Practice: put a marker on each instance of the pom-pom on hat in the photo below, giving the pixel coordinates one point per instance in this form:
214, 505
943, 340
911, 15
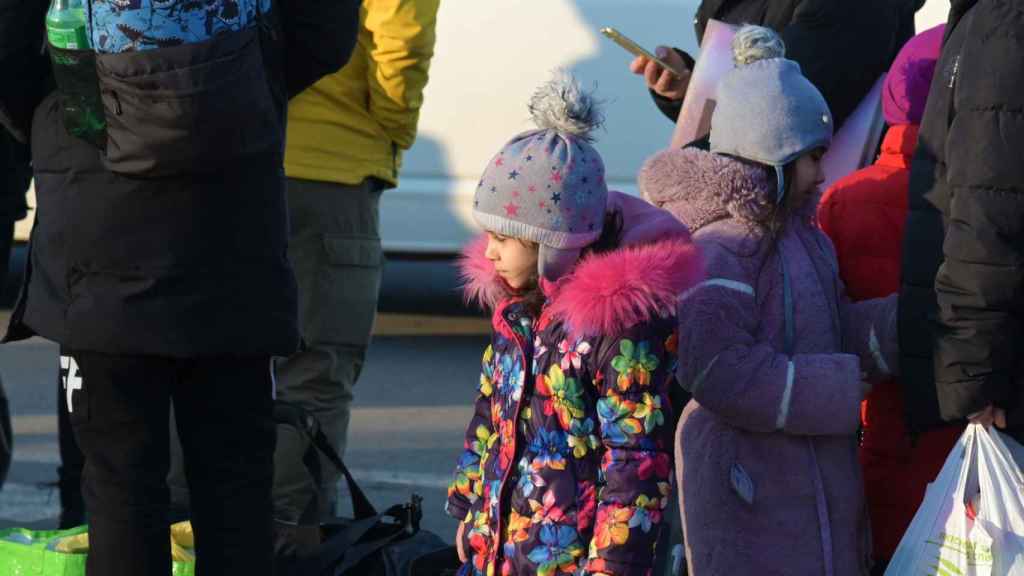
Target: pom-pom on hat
547, 185
766, 110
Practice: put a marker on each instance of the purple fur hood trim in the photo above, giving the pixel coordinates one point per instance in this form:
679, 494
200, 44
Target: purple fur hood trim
699, 187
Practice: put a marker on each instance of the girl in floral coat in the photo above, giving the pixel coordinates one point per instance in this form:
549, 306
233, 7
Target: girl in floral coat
567, 460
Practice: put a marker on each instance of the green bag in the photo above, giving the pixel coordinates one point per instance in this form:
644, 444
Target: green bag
31, 553
28, 553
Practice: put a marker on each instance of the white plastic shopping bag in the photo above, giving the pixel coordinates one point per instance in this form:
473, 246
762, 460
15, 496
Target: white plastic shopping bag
971, 522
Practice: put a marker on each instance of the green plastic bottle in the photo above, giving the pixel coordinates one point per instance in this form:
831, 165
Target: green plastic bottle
66, 25
74, 67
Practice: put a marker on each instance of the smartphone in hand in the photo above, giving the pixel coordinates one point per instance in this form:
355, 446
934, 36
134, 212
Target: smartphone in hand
636, 50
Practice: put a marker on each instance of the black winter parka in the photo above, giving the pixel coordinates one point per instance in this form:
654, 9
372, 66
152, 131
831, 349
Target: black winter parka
962, 295
171, 240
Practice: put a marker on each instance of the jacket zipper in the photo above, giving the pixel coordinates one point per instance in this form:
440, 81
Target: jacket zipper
498, 540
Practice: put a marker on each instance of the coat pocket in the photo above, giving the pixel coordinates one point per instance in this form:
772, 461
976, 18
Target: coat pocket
188, 109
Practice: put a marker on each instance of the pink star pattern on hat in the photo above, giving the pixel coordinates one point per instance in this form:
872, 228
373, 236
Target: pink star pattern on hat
512, 209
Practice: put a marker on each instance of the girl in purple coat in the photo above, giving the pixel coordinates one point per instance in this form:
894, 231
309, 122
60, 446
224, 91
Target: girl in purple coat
775, 355
567, 462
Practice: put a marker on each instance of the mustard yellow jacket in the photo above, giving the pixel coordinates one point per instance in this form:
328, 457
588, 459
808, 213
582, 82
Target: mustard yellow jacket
355, 123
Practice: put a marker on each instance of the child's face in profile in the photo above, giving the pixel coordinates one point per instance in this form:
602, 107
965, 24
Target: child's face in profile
807, 176
514, 260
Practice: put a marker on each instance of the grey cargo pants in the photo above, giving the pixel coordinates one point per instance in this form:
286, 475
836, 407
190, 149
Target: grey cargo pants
335, 249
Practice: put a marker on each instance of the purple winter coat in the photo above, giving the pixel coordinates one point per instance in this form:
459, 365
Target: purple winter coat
766, 453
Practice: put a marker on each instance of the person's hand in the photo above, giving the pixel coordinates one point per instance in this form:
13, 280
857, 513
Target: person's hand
663, 82
989, 416
458, 542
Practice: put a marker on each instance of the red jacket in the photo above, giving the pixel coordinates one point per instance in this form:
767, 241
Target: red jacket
864, 215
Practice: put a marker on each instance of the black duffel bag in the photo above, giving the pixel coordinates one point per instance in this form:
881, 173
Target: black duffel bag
370, 544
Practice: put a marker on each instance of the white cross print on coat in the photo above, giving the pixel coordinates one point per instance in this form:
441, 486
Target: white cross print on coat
71, 378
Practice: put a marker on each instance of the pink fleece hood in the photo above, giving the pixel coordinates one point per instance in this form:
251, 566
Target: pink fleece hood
609, 292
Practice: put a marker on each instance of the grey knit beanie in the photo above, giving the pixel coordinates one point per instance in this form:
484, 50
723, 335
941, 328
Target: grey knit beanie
547, 185
766, 110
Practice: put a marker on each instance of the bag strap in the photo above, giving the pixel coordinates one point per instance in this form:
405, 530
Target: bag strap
408, 518
342, 544
360, 552
302, 420
408, 515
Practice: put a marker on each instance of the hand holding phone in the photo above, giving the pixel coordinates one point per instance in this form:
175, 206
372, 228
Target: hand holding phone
635, 49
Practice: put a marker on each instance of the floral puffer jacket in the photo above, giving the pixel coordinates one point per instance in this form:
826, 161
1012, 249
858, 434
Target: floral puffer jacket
568, 459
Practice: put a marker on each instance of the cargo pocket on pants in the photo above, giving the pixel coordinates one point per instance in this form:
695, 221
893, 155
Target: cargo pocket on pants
188, 109
346, 291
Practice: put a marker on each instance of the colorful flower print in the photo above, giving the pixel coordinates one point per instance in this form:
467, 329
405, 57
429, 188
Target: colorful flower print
550, 448
573, 356
519, 527
646, 514
547, 510
479, 539
634, 364
539, 349
598, 567
467, 477
582, 438
508, 441
495, 415
512, 377
559, 548
494, 500
481, 446
618, 426
530, 481
586, 505
612, 527
653, 465
665, 489
487, 374
564, 396
485, 439
524, 420
648, 411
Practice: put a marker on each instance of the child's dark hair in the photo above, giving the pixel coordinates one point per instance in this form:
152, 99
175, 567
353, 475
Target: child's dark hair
610, 238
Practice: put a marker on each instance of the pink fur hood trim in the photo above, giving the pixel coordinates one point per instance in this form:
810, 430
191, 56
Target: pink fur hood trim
605, 293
